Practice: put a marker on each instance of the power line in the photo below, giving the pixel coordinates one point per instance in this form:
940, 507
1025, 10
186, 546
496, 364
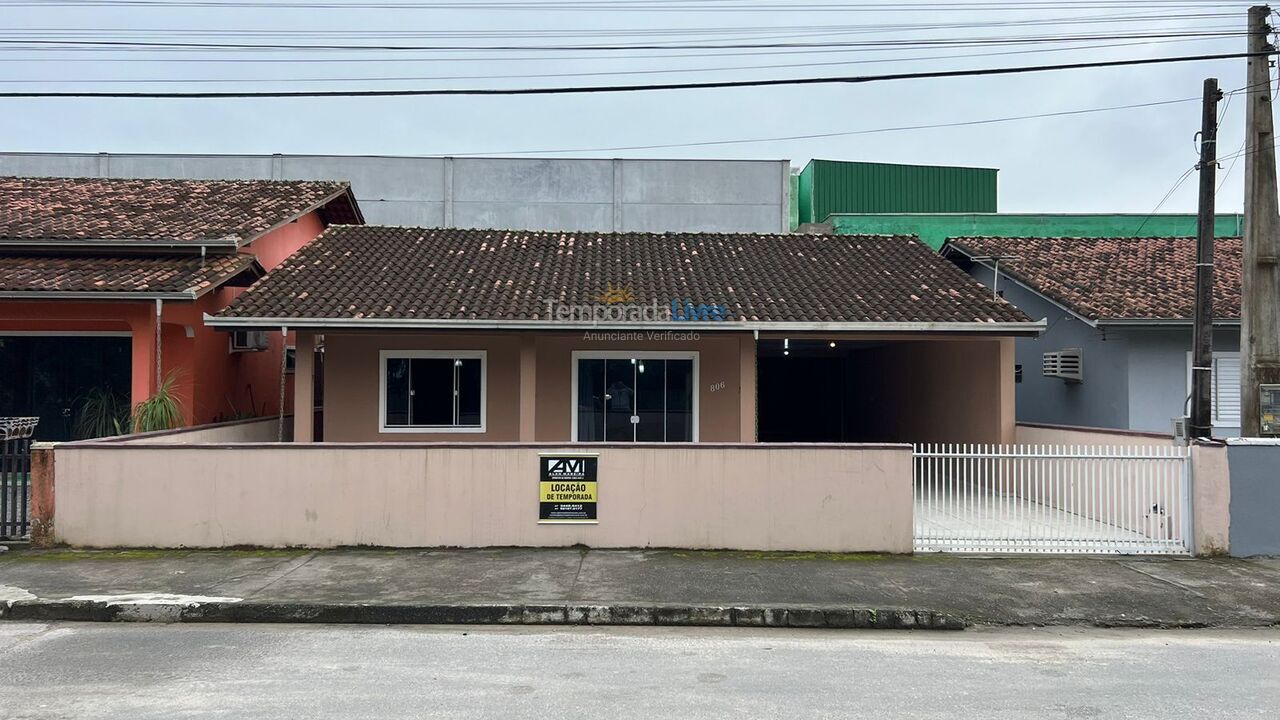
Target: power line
847, 133
115, 45
599, 73
856, 79
639, 5
843, 133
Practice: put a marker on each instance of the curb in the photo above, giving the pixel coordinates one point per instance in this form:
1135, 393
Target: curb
810, 616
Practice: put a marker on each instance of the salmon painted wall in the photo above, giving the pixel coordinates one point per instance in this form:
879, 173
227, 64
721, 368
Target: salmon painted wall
352, 379
214, 383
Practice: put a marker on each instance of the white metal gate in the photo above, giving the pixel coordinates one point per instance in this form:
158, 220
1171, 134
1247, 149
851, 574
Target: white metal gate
1052, 499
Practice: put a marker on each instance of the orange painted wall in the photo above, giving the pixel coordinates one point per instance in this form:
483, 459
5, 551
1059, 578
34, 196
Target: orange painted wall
213, 382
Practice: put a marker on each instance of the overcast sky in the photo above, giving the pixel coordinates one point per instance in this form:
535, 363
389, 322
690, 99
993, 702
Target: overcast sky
1119, 161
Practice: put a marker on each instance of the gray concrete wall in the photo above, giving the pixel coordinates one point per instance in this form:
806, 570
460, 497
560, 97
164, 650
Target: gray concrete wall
1158, 368
519, 193
1101, 400
1255, 497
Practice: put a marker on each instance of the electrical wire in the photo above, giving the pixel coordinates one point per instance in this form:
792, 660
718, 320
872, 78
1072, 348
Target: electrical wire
856, 79
599, 73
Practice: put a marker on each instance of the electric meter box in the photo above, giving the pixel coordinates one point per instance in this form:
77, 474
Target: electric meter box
1269, 402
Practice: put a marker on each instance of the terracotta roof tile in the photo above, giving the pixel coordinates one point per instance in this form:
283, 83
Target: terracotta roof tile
65, 211
35, 273
1117, 278
412, 273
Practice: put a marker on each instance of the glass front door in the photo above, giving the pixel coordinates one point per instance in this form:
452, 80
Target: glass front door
635, 399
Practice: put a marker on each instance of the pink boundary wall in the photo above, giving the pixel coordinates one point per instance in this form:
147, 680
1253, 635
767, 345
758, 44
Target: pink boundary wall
845, 498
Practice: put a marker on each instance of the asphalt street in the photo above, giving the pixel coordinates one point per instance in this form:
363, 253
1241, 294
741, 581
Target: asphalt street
95, 670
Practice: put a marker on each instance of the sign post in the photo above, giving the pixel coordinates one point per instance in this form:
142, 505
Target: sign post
567, 488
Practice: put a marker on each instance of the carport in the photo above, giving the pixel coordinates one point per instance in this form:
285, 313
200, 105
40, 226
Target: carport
867, 388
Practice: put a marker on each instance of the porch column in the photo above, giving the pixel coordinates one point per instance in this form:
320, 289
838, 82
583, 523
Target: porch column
528, 388
142, 331
747, 389
304, 362
1008, 383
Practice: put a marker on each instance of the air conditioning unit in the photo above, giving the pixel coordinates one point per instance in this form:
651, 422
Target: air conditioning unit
1066, 364
248, 340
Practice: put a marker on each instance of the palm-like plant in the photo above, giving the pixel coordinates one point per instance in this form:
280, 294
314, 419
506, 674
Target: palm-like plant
161, 411
101, 413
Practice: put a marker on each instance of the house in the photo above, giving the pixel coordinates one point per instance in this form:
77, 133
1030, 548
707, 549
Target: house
1116, 351
935, 228
658, 194
104, 284
526, 336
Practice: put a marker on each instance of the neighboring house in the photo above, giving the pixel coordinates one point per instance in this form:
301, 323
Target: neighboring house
829, 187
1120, 309
506, 336
100, 280
658, 195
935, 228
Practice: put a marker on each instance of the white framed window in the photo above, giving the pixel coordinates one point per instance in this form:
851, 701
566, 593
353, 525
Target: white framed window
432, 391
1224, 387
634, 396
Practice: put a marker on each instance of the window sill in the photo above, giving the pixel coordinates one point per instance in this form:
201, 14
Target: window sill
424, 429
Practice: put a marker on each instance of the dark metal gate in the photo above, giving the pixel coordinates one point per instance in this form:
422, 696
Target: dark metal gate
15, 476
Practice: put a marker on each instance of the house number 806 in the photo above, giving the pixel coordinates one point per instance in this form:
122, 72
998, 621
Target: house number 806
716, 387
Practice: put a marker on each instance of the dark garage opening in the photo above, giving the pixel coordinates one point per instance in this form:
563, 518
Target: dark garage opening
808, 391
72, 383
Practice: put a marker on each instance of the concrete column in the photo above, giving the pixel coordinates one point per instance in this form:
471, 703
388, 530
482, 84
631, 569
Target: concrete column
617, 195
1008, 387
303, 386
448, 192
42, 497
747, 389
142, 329
528, 388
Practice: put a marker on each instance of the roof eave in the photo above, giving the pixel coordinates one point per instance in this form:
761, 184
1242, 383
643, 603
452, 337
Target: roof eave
80, 245
1163, 322
344, 190
983, 328
111, 295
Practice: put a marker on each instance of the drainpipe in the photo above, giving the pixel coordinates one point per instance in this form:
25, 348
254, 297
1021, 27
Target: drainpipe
284, 362
159, 372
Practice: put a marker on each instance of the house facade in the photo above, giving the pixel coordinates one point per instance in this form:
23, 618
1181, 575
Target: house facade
104, 285
1119, 311
524, 336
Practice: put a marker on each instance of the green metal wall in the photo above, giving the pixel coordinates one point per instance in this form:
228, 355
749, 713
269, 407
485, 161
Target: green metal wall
935, 229
828, 187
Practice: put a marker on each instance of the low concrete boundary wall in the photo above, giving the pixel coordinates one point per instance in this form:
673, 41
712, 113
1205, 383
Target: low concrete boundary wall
1038, 434
1255, 496
836, 498
253, 430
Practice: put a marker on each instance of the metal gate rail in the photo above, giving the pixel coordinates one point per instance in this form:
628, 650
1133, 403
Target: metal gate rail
1052, 499
15, 476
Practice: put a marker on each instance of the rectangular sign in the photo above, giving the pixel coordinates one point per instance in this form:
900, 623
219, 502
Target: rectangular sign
567, 487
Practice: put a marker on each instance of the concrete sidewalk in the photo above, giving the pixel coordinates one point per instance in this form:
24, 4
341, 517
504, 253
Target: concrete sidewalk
638, 587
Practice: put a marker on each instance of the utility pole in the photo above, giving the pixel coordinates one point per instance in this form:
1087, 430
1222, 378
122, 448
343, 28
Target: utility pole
1260, 299
1202, 347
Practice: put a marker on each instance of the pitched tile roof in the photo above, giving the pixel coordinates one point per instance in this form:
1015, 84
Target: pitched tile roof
35, 273
70, 211
373, 273
1116, 278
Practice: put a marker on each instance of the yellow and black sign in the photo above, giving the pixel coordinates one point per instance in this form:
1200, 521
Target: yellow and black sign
567, 488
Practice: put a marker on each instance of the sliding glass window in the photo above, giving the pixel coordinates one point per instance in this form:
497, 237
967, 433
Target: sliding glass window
432, 391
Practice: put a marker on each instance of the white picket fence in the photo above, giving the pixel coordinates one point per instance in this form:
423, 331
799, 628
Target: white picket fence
1052, 499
